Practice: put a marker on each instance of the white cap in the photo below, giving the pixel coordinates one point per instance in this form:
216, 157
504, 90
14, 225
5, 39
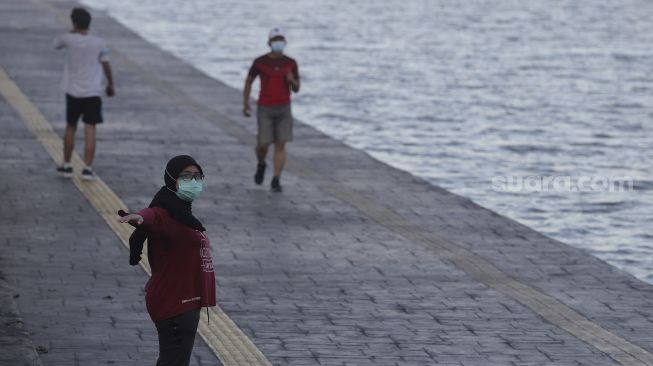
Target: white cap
276, 32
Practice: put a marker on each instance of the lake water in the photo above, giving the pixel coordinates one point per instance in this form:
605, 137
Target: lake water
481, 97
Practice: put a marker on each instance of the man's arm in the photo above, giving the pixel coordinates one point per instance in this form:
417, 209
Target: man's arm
293, 79
58, 43
106, 67
247, 91
294, 83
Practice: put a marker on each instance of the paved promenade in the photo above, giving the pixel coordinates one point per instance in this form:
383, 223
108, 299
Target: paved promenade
355, 263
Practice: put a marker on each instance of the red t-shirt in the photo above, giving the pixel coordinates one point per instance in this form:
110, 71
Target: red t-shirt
275, 89
182, 266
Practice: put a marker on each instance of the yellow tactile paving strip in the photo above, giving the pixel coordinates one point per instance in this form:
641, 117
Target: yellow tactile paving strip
222, 335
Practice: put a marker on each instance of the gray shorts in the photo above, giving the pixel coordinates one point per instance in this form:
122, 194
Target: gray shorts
274, 124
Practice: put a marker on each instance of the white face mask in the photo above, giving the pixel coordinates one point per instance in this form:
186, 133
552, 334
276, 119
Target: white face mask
189, 191
277, 46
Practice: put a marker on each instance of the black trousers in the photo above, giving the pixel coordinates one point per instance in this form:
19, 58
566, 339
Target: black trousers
176, 338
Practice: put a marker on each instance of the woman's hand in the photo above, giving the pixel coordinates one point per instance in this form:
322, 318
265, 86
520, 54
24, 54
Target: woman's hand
133, 219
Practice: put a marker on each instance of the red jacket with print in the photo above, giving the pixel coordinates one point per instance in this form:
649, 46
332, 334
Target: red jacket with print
182, 266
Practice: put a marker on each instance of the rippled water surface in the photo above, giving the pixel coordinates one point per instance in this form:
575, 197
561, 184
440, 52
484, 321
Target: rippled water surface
460, 93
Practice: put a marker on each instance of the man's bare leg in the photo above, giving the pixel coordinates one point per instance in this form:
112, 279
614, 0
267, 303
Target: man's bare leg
279, 157
89, 143
69, 142
261, 152
279, 160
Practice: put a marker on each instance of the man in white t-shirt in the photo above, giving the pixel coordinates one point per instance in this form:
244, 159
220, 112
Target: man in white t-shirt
86, 58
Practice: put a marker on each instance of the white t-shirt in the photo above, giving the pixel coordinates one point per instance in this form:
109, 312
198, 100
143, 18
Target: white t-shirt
82, 74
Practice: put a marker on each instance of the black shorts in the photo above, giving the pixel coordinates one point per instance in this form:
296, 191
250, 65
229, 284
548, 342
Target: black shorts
89, 108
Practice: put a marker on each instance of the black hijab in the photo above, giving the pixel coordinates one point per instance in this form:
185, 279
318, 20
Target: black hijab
167, 199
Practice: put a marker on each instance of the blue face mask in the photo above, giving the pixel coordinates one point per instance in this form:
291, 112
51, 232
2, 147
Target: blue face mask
189, 190
277, 46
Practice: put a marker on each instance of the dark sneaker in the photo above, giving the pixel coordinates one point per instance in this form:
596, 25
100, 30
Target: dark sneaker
87, 174
260, 173
275, 186
66, 172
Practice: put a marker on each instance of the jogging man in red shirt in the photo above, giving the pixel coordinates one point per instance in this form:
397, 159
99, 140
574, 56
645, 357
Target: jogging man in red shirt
279, 75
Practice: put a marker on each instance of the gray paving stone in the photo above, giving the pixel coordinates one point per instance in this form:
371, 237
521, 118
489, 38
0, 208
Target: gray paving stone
17, 347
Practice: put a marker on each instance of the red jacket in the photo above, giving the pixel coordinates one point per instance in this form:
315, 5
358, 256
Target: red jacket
182, 266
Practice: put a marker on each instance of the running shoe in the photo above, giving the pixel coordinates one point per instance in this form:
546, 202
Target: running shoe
65, 171
87, 174
260, 172
275, 186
